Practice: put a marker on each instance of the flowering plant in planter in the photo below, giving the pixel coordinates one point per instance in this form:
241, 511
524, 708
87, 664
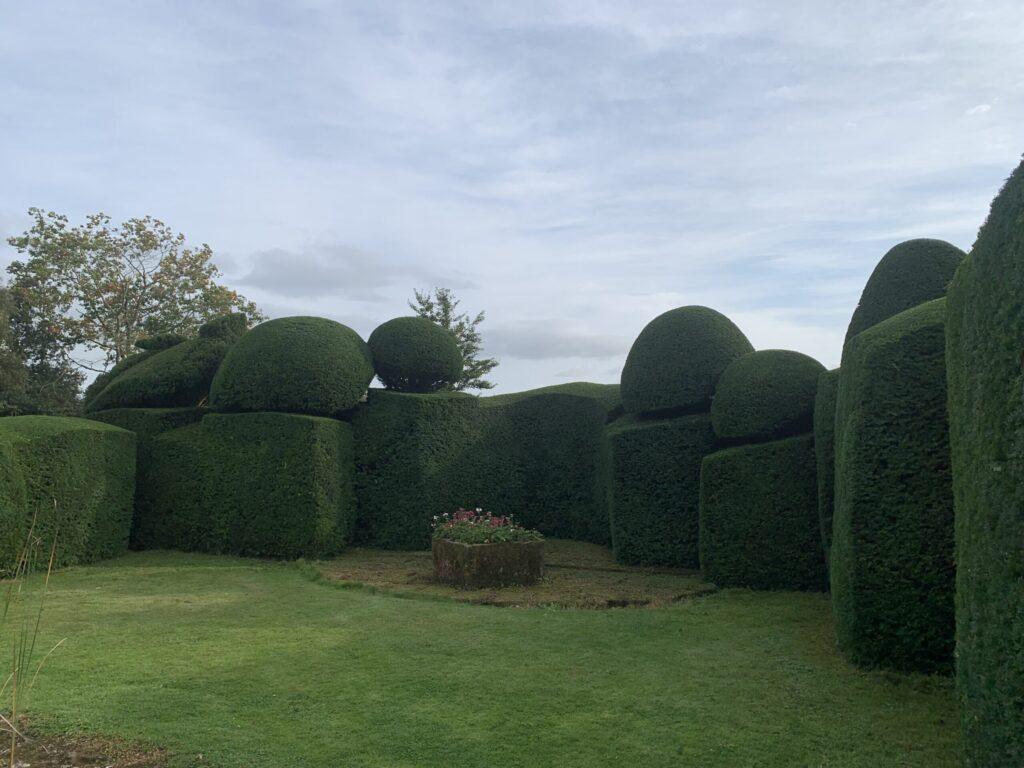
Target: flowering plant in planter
474, 526
474, 549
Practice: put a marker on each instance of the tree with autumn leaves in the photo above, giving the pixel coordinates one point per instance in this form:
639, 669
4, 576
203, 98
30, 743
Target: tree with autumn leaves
82, 295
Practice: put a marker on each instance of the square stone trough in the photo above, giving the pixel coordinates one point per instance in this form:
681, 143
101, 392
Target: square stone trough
482, 566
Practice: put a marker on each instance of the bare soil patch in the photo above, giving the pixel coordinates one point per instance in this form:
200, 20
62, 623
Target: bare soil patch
67, 751
577, 575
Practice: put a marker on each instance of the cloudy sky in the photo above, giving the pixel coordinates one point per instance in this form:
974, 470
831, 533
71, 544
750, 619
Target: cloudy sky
572, 168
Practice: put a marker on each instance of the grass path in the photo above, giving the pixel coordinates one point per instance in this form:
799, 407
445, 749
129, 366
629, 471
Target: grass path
254, 664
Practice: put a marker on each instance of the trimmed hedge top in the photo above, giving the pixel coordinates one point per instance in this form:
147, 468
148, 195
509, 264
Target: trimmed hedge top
308, 365
911, 273
413, 354
765, 395
171, 376
676, 360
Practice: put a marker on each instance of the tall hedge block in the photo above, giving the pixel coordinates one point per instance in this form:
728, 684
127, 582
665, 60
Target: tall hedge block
75, 477
654, 488
256, 484
413, 453
892, 568
985, 364
825, 452
758, 516
147, 423
536, 457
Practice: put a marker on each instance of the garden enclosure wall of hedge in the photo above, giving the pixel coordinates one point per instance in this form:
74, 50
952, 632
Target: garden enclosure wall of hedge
755, 465
73, 480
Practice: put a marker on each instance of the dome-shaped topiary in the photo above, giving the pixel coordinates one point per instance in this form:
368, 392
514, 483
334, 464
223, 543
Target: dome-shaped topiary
676, 360
766, 395
167, 374
911, 273
413, 354
306, 365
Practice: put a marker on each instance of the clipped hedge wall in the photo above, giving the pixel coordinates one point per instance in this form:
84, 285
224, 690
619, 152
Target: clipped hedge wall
255, 484
76, 477
765, 395
825, 452
413, 354
676, 360
537, 458
147, 423
985, 347
758, 516
176, 376
308, 365
892, 566
103, 380
909, 274
608, 395
654, 487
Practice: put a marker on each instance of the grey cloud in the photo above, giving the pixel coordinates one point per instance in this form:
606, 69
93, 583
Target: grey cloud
543, 341
337, 271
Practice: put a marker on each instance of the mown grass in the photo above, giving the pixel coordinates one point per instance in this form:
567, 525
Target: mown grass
254, 664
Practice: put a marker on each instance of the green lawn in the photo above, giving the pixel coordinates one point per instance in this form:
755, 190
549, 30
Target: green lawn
256, 664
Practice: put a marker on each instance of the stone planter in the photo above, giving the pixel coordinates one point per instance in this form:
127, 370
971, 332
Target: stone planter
479, 566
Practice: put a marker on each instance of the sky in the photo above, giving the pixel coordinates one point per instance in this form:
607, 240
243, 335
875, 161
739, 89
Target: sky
572, 168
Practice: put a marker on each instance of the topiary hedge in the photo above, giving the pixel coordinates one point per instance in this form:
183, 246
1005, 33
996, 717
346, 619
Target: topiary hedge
765, 395
758, 517
537, 458
676, 360
546, 453
308, 365
75, 477
825, 452
413, 354
985, 347
255, 484
608, 395
892, 563
147, 423
911, 273
654, 486
175, 376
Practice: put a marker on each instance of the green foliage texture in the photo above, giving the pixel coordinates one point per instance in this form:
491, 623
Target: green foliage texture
986, 405
256, 484
825, 452
892, 569
538, 458
909, 274
676, 360
653, 479
75, 477
308, 365
758, 516
765, 395
413, 354
178, 375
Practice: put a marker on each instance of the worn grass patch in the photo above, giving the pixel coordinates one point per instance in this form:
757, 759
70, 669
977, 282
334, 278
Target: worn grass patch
249, 664
577, 575
75, 751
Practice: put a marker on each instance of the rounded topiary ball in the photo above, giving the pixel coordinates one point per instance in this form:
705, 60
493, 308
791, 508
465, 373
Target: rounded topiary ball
306, 365
676, 360
766, 395
911, 273
413, 354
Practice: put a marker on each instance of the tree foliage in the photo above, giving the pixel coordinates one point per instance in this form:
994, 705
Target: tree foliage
441, 307
35, 377
91, 291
